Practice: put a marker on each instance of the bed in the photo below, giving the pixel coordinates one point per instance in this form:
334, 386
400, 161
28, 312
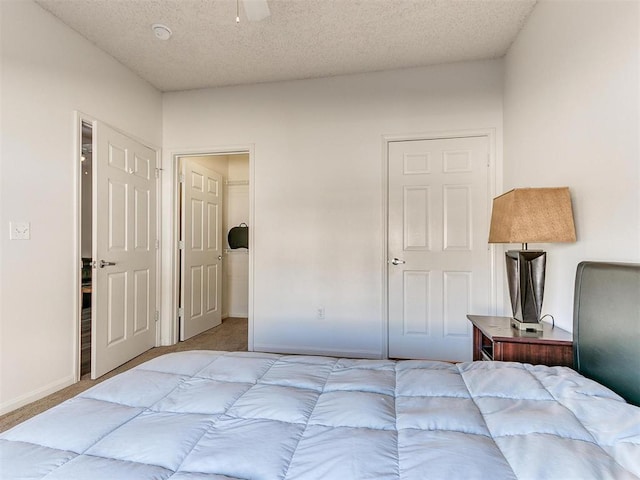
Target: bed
246, 415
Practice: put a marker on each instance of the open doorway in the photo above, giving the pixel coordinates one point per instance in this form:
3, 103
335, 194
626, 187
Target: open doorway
86, 239
213, 279
117, 247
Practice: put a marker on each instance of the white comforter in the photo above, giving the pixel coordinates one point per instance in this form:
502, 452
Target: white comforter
215, 415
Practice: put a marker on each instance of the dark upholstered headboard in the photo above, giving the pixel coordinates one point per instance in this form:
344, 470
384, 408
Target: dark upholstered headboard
606, 326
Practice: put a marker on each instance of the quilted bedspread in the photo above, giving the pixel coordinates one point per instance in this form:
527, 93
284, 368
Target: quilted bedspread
216, 415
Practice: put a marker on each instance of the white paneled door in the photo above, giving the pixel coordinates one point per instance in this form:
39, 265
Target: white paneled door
201, 248
439, 262
124, 250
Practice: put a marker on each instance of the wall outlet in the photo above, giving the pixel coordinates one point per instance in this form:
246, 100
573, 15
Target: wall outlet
320, 313
19, 231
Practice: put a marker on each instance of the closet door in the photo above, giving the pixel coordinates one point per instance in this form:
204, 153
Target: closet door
439, 263
201, 235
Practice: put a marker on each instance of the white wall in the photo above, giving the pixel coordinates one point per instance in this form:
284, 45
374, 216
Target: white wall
571, 116
318, 227
48, 71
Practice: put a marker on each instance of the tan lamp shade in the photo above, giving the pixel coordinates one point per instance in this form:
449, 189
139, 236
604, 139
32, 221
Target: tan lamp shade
533, 215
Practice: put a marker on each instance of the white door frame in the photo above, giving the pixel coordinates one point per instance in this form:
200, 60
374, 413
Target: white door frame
496, 290
170, 291
79, 118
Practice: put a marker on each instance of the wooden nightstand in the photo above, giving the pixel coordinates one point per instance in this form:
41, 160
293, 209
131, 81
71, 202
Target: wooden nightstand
495, 339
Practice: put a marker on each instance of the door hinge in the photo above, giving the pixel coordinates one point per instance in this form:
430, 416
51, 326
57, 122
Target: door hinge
181, 245
157, 244
488, 159
158, 170
181, 178
180, 312
157, 316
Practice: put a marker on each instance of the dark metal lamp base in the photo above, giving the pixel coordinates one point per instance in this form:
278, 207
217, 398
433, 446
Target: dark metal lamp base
525, 276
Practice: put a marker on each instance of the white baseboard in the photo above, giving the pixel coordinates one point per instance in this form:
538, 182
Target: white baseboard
308, 350
34, 395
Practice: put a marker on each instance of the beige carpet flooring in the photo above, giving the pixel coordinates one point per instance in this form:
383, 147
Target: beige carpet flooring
231, 335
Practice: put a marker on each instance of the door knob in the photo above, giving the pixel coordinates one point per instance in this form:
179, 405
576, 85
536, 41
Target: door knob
397, 261
103, 264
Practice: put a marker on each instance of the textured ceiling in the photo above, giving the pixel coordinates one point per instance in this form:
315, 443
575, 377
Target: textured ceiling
301, 38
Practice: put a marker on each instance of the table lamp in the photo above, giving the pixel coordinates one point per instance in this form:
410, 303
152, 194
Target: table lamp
530, 215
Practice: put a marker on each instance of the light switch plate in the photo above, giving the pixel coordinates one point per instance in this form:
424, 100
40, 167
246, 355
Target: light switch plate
19, 231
